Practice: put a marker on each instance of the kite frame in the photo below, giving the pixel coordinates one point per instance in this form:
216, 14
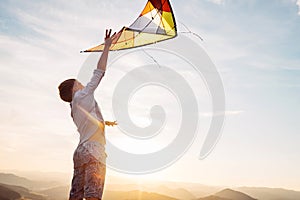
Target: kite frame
124, 27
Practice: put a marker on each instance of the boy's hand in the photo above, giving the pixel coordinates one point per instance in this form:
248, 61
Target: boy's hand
108, 123
108, 38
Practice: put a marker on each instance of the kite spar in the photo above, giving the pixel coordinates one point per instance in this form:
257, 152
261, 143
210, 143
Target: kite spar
155, 23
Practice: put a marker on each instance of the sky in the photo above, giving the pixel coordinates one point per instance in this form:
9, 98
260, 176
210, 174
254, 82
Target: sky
254, 45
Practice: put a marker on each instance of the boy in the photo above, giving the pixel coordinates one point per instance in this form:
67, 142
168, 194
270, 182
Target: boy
89, 157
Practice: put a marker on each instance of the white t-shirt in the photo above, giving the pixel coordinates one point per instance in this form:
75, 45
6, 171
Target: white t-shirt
85, 110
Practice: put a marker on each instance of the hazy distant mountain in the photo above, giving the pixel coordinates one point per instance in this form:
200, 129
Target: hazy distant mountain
233, 195
57, 193
179, 190
8, 194
132, 187
24, 192
228, 194
213, 197
126, 184
135, 195
270, 193
178, 193
12, 179
60, 177
61, 193
197, 189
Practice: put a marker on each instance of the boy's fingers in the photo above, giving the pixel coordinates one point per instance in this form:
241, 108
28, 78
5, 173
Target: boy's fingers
108, 123
113, 36
109, 33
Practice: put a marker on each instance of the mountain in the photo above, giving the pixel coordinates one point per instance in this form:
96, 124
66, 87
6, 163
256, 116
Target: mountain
228, 194
197, 189
179, 190
8, 194
41, 188
60, 177
61, 193
179, 193
12, 179
233, 195
57, 193
24, 192
213, 197
134, 195
270, 193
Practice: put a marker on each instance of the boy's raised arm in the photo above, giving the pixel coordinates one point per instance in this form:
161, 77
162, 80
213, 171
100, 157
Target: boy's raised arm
108, 41
95, 80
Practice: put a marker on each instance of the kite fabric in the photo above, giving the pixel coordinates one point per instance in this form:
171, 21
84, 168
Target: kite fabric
155, 23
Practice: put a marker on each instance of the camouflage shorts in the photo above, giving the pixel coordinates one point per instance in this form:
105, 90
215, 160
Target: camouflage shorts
89, 176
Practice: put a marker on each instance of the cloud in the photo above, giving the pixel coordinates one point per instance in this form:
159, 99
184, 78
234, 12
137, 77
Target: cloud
298, 4
226, 113
219, 2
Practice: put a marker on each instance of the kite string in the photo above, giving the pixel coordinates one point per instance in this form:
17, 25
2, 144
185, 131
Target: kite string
151, 57
189, 31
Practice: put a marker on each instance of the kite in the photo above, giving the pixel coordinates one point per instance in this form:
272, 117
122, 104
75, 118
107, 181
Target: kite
155, 23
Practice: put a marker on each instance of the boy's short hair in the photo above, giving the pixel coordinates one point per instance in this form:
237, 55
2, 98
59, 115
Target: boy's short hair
66, 90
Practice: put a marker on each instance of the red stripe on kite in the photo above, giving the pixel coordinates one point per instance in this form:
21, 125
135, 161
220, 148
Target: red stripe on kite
161, 5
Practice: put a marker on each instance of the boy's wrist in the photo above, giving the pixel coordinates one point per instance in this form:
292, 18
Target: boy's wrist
106, 46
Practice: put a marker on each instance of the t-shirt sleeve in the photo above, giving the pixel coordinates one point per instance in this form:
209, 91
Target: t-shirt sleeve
94, 82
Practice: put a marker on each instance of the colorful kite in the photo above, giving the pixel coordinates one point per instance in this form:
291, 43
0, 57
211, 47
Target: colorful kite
156, 23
